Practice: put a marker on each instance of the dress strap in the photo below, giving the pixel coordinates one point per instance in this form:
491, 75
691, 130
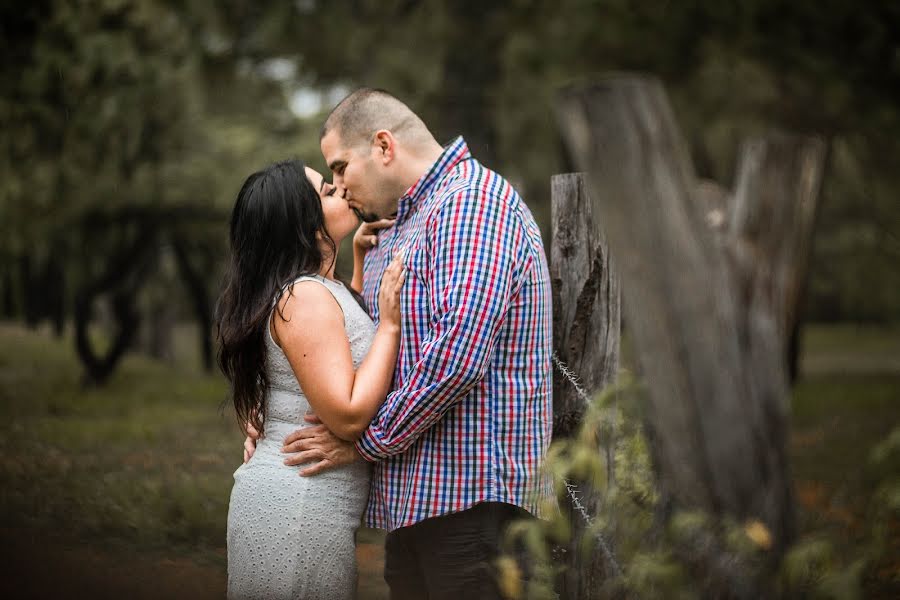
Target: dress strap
318, 279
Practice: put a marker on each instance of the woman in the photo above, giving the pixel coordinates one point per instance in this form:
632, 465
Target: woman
294, 340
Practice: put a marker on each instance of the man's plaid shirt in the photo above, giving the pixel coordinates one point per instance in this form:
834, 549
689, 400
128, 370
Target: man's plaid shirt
470, 416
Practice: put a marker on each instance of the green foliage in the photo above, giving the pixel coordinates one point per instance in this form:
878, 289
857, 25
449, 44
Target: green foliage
665, 558
127, 125
885, 456
100, 112
857, 247
658, 574
806, 563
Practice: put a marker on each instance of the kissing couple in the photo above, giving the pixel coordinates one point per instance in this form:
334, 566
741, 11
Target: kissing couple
416, 398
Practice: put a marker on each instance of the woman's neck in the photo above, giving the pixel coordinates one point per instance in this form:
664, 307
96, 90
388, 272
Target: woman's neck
328, 264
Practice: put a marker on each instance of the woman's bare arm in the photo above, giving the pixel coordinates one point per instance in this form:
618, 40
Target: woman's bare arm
311, 333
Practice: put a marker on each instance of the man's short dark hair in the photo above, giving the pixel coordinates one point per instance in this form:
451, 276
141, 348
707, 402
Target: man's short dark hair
365, 111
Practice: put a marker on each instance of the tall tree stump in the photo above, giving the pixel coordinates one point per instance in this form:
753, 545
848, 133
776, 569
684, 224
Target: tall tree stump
706, 322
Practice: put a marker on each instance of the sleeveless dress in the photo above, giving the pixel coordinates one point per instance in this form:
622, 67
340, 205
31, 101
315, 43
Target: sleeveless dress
291, 536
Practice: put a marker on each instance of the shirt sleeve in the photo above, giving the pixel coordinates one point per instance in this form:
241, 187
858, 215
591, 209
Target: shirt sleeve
470, 243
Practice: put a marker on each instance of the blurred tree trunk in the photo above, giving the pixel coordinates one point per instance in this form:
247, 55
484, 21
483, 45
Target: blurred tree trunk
708, 333
55, 289
200, 299
9, 294
121, 280
586, 331
771, 222
159, 323
795, 346
99, 368
795, 341
30, 291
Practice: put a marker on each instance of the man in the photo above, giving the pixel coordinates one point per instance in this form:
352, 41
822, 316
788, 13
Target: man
459, 442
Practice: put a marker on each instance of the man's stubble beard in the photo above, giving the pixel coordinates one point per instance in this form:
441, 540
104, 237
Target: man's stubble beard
366, 216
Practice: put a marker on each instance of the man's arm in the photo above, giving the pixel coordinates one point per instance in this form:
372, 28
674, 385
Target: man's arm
471, 243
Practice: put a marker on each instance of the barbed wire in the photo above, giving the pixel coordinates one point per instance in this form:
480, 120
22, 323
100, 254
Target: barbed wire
571, 488
572, 377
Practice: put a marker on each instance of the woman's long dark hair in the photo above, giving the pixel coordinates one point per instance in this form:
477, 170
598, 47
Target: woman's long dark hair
273, 230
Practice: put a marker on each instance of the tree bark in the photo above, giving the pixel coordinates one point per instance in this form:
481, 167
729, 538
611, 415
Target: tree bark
586, 322
586, 330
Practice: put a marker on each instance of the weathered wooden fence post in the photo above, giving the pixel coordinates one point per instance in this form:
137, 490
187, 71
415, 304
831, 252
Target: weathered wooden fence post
705, 322
770, 225
586, 329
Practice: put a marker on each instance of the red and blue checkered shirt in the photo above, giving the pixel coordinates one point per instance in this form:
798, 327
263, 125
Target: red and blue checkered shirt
469, 418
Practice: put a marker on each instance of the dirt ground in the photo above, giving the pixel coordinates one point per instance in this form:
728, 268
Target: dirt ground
46, 566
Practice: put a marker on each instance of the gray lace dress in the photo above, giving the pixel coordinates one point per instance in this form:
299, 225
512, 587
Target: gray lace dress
291, 536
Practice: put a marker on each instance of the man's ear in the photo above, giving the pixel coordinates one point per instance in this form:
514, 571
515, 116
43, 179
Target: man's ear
385, 146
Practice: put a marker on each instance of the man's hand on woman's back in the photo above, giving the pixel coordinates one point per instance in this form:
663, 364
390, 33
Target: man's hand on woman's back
317, 444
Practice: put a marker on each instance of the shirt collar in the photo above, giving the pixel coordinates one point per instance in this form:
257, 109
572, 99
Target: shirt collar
454, 153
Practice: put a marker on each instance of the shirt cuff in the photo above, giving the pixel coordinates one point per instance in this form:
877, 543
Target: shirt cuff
370, 448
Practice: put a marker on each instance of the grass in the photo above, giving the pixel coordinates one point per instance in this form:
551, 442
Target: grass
840, 413
145, 459
143, 466
851, 349
846, 404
